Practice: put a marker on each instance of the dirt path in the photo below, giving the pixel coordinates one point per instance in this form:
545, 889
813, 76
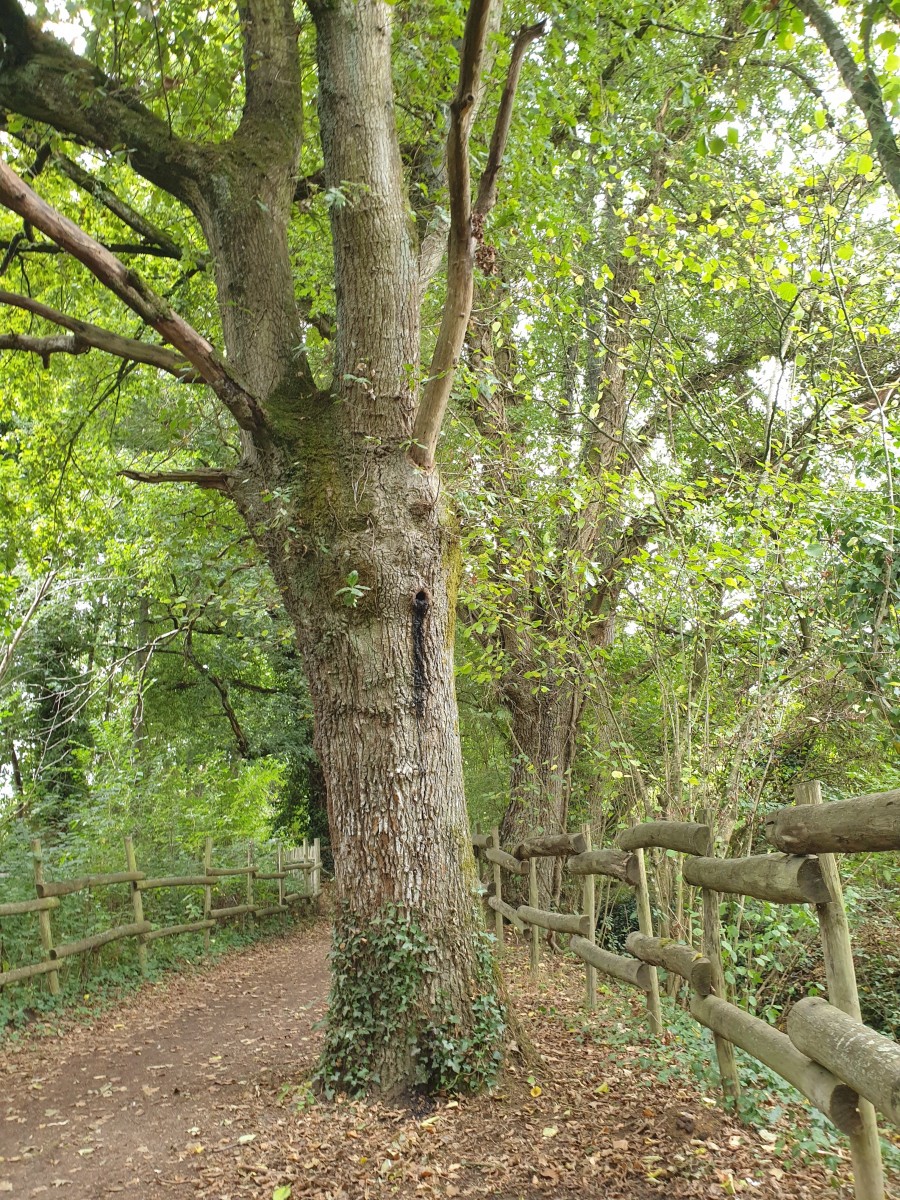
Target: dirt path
195, 1089
119, 1106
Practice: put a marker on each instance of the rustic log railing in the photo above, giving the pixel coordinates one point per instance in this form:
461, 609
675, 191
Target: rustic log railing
306, 858
844, 1069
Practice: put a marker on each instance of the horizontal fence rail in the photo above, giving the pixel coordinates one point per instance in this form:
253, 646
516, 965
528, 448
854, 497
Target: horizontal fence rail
844, 1068
300, 862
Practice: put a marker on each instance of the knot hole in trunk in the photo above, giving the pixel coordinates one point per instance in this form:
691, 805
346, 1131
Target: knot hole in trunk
420, 606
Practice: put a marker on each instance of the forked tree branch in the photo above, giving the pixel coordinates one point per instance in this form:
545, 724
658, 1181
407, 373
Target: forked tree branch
462, 242
89, 337
487, 187
131, 289
461, 247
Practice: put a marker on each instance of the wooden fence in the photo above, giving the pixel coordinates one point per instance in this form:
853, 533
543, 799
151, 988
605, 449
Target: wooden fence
293, 867
843, 1067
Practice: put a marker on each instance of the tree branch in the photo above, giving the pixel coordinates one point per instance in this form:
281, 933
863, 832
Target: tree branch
108, 198
20, 244
227, 707
805, 78
213, 479
863, 87
18, 196
487, 188
43, 347
89, 336
273, 101
8, 652
462, 243
44, 79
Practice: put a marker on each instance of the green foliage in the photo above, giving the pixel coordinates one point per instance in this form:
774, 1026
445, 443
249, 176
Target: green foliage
456, 1059
377, 971
771, 955
380, 971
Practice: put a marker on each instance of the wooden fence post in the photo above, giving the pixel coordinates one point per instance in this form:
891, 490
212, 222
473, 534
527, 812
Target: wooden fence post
589, 907
533, 901
137, 903
498, 888
712, 948
249, 889
43, 914
317, 870
207, 891
645, 925
840, 974
279, 867
477, 853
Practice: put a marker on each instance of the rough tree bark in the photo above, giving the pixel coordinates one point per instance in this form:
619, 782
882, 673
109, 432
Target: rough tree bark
362, 548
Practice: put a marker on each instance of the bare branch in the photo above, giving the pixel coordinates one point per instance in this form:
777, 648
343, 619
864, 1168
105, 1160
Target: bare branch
89, 336
20, 244
213, 479
118, 207
462, 244
487, 188
18, 196
8, 652
43, 347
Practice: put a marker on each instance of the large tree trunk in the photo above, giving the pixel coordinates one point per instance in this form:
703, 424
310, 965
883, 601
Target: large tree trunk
367, 563
379, 657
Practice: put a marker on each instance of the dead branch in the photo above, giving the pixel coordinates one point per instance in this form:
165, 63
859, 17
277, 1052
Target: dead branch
88, 337
462, 241
212, 478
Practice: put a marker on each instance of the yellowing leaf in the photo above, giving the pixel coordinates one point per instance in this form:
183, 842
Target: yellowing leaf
536, 1090
549, 1131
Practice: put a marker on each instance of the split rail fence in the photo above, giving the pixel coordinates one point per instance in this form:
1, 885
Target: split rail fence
844, 1068
293, 866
